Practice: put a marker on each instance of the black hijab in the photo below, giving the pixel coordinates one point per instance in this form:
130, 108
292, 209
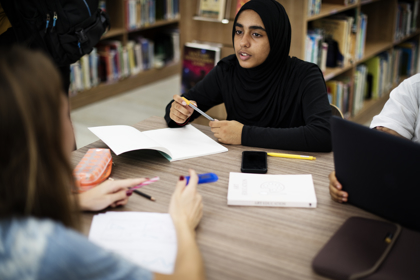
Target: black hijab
257, 92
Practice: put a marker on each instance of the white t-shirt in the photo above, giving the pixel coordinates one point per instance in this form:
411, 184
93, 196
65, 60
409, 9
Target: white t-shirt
401, 111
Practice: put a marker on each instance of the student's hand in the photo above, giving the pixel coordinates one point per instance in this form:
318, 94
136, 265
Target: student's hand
335, 189
180, 111
227, 132
388, 130
109, 193
186, 205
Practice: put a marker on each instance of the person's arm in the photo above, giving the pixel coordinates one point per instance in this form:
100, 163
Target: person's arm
205, 95
400, 112
314, 136
186, 210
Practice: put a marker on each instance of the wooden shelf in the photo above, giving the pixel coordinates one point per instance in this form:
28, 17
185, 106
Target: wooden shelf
114, 32
363, 2
333, 72
331, 9
417, 32
106, 90
156, 24
370, 108
374, 48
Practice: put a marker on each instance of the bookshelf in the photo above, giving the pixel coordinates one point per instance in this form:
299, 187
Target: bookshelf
380, 34
116, 9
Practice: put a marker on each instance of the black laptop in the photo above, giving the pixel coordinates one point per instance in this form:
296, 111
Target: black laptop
380, 172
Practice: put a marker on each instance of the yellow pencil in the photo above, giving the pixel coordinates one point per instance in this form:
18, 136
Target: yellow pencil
291, 156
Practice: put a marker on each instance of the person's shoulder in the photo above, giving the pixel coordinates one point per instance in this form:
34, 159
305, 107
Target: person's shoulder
226, 64
21, 240
304, 66
413, 81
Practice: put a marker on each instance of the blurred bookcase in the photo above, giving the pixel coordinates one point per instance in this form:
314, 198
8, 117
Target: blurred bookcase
118, 12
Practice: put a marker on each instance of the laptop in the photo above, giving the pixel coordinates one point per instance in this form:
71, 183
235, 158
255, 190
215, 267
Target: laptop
380, 172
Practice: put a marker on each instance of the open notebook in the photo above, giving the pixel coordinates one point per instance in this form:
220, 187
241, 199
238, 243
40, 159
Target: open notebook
173, 143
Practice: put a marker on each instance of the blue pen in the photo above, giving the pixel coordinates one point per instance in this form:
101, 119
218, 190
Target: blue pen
204, 178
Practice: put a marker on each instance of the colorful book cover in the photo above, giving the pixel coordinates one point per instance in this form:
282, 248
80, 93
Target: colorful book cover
199, 59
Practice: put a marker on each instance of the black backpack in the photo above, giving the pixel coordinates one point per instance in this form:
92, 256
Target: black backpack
65, 29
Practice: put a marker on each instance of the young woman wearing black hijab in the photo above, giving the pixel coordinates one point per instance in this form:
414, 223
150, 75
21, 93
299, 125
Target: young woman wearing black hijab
271, 99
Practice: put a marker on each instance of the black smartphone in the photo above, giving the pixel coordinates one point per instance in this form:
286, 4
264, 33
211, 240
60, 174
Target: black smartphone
254, 162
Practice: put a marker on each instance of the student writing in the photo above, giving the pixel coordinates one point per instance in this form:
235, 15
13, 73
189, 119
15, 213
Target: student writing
272, 100
38, 213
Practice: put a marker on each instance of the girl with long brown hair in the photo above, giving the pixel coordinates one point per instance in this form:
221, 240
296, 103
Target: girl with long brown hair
38, 212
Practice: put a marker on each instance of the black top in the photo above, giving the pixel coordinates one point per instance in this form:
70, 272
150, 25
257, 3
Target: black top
304, 125
282, 102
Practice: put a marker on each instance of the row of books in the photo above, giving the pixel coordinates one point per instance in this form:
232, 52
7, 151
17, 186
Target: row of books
110, 61
406, 18
141, 13
314, 6
379, 74
339, 94
331, 42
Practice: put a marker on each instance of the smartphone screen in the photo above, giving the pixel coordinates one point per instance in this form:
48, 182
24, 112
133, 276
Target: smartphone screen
254, 162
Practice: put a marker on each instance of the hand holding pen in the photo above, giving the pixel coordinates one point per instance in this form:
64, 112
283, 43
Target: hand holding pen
180, 112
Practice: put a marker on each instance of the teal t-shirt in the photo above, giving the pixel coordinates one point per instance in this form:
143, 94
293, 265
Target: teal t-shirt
33, 248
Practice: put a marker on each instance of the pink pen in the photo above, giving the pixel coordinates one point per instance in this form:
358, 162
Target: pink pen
148, 182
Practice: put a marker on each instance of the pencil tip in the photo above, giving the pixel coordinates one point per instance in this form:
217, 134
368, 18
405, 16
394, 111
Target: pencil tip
153, 199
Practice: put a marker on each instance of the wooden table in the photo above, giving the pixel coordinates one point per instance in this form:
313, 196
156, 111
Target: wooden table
239, 242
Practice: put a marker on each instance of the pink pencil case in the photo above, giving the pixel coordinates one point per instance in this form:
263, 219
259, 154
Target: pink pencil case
94, 168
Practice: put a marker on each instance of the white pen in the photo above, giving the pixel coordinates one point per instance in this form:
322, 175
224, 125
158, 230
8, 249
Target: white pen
198, 110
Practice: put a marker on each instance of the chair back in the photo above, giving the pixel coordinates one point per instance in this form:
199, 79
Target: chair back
336, 111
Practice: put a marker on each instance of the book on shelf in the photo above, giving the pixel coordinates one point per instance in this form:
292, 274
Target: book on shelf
360, 78
214, 9
406, 23
339, 29
239, 4
361, 37
409, 58
140, 13
316, 48
314, 7
339, 94
199, 59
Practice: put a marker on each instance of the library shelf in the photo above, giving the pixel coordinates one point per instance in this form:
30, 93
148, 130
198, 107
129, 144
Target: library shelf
333, 72
158, 23
374, 48
113, 32
413, 34
363, 2
105, 90
331, 9
370, 108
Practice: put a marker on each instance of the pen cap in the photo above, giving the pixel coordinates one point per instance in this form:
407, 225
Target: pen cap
204, 178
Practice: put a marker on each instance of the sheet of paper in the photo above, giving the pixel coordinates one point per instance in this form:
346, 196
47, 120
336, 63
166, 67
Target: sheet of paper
147, 239
124, 138
185, 142
271, 190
